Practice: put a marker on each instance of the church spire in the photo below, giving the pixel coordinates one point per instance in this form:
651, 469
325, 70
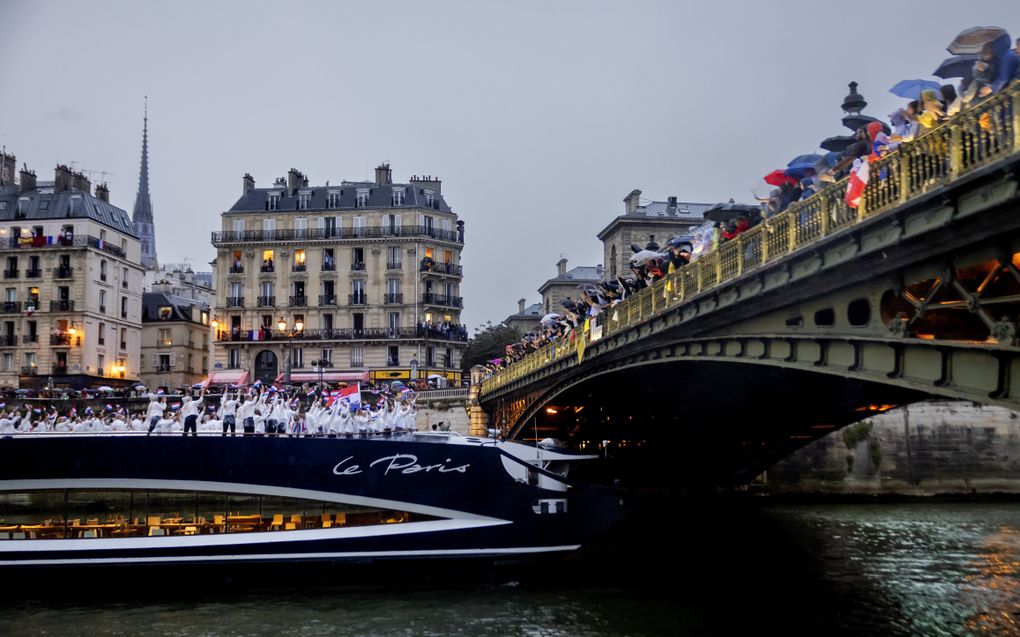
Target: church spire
141, 217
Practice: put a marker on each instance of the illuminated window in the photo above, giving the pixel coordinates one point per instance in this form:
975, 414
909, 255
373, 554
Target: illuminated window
428, 253
299, 257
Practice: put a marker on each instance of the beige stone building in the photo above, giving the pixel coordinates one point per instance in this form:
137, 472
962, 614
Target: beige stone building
175, 340
363, 275
70, 314
567, 285
526, 318
653, 223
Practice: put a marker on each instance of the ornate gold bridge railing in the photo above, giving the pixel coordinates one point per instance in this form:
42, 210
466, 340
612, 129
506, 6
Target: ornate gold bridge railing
983, 134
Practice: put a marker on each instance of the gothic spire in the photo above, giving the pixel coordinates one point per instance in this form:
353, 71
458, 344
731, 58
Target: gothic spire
141, 217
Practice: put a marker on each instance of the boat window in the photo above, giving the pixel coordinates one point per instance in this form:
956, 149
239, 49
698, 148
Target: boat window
93, 513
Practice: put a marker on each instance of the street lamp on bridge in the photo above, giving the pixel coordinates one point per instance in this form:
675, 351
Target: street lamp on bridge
289, 332
320, 365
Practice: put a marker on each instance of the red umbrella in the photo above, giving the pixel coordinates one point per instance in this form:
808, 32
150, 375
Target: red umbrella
778, 178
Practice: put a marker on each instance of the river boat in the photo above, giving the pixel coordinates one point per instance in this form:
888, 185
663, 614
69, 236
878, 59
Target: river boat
70, 500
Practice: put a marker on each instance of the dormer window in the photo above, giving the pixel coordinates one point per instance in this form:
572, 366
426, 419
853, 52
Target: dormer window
430, 198
361, 199
273, 201
333, 199
166, 313
303, 199
398, 197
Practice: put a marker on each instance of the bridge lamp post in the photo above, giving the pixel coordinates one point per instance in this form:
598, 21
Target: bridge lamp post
289, 332
320, 365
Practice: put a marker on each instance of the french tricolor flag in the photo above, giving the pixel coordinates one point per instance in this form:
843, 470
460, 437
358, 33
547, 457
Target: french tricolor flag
858, 181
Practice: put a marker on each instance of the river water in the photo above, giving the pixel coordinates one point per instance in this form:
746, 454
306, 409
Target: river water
718, 568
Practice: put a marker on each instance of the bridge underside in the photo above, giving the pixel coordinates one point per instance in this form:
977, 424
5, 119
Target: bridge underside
691, 423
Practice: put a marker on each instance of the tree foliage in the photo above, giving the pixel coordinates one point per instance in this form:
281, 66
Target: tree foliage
489, 342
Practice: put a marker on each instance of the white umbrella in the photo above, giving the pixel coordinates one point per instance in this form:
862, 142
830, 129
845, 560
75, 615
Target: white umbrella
644, 256
550, 318
105, 388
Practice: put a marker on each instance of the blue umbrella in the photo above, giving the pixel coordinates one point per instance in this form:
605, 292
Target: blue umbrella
831, 159
799, 165
956, 66
911, 89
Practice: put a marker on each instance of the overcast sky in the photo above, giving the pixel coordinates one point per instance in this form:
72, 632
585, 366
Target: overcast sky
539, 117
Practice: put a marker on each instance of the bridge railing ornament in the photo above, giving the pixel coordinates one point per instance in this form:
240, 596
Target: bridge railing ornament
984, 133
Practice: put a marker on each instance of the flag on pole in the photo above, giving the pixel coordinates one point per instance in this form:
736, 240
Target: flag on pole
859, 174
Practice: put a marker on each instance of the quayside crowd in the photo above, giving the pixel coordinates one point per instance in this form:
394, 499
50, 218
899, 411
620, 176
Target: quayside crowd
993, 69
256, 411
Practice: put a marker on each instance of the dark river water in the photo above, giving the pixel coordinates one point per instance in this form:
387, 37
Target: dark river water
721, 568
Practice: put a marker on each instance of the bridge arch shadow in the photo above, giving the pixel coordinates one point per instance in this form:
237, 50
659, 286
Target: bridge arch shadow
700, 422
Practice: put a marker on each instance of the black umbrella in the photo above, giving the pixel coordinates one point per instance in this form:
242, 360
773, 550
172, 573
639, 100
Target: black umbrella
837, 143
725, 212
956, 66
853, 122
971, 40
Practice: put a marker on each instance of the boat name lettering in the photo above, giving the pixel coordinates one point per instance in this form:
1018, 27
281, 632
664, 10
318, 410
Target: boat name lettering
403, 463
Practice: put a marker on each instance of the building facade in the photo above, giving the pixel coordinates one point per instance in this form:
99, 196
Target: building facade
71, 309
527, 317
641, 225
175, 340
362, 275
567, 285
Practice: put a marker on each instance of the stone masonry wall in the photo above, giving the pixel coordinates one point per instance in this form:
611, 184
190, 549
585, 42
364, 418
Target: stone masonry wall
929, 448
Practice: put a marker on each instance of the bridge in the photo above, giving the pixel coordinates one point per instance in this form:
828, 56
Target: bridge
816, 318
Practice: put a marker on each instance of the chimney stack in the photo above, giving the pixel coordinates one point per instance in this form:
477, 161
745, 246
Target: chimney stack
63, 179
631, 201
520, 306
295, 180
671, 206
383, 175
249, 184
7, 169
561, 267
80, 182
27, 178
102, 192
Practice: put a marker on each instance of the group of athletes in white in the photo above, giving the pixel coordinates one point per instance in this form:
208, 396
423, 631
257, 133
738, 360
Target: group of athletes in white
262, 412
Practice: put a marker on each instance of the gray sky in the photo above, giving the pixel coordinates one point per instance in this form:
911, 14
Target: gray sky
539, 117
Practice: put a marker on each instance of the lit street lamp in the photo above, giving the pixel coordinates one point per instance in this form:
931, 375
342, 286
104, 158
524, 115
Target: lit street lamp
289, 332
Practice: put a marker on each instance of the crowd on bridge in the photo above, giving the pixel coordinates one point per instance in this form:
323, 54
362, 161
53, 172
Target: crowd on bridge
987, 62
258, 410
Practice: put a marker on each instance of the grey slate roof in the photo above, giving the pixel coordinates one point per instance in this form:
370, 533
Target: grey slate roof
43, 204
257, 199
180, 306
684, 209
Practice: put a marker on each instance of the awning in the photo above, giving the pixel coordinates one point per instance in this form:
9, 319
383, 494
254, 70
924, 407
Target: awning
226, 377
327, 377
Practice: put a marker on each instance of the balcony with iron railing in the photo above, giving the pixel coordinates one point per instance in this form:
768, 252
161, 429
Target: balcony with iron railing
299, 300
265, 301
442, 268
62, 242
8, 340
267, 267
357, 299
299, 267
63, 273
33, 273
62, 305
345, 334
394, 265
11, 274
393, 299
29, 338
60, 338
358, 266
965, 144
442, 300
29, 370
10, 307
329, 267
235, 301
334, 234
236, 269
327, 300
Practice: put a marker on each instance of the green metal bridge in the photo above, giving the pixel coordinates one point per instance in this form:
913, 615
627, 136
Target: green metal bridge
816, 318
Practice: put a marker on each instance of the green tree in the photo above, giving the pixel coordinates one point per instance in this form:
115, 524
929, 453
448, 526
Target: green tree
489, 342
